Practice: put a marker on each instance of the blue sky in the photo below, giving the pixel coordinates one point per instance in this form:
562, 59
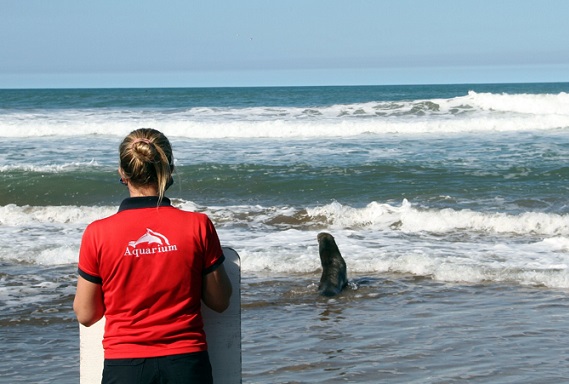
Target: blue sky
175, 43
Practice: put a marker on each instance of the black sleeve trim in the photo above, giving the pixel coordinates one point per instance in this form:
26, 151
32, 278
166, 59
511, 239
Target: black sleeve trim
215, 265
91, 278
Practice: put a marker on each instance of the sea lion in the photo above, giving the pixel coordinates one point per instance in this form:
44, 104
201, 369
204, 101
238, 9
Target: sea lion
334, 276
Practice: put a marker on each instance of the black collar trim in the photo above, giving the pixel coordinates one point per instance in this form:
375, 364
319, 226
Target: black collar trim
143, 202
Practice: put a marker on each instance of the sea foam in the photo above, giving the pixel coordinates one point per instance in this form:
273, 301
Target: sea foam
410, 219
475, 112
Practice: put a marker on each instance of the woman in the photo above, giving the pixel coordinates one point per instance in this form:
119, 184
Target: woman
146, 269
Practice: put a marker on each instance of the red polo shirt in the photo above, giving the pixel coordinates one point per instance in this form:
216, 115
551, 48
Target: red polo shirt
150, 261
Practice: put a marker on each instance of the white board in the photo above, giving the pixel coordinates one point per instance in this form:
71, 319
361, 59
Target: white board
223, 331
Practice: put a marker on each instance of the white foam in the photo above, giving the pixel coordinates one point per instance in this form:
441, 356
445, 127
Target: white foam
50, 168
542, 104
558, 243
65, 254
413, 220
475, 112
448, 245
14, 215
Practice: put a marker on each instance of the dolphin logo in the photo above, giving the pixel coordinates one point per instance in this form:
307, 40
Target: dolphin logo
150, 237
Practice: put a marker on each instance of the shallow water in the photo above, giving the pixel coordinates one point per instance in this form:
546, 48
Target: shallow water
385, 328
400, 329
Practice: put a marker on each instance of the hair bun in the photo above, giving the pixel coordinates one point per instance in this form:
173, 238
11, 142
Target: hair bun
140, 140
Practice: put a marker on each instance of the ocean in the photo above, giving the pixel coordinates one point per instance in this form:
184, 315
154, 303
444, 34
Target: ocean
448, 202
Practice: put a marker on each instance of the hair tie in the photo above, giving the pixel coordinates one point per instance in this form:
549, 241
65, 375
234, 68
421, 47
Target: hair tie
140, 140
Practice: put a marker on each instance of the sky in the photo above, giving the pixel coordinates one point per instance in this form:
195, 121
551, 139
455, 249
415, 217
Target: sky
228, 43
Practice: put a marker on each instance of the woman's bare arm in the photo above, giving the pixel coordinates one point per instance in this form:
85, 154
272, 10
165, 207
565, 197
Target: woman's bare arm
88, 304
216, 290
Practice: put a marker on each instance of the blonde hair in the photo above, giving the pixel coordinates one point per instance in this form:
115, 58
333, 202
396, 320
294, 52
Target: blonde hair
146, 159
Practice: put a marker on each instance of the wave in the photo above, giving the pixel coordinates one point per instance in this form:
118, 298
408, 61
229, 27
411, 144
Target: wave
16, 216
475, 112
444, 244
405, 218
409, 219
51, 168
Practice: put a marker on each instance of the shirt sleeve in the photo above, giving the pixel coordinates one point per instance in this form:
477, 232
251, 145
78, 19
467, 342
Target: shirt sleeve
213, 253
88, 266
